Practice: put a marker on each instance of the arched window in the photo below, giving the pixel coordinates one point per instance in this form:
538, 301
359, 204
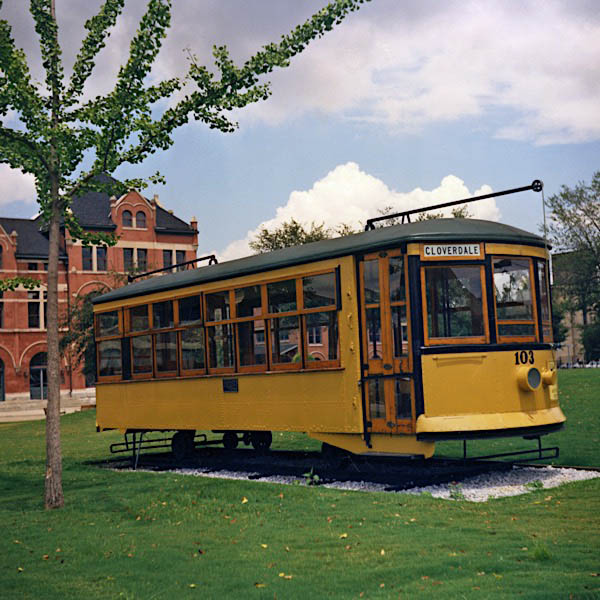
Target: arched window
140, 219
127, 219
38, 383
1, 265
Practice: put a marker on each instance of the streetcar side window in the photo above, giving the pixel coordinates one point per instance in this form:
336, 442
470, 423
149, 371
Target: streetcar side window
514, 298
455, 304
108, 346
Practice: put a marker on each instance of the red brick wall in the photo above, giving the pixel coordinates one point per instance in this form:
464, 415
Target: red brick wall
19, 343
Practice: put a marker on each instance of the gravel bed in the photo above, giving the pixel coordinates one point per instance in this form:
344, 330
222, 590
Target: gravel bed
518, 480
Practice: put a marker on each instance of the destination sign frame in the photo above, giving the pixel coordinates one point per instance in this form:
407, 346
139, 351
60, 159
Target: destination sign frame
454, 251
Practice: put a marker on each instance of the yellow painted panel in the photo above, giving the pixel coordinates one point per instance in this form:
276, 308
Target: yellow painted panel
381, 444
484, 383
516, 250
308, 401
485, 422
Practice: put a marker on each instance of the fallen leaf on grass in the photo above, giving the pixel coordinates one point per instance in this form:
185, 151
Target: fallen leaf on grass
382, 585
260, 585
244, 500
284, 576
343, 536
497, 576
192, 585
46, 557
595, 574
425, 577
264, 546
20, 569
382, 552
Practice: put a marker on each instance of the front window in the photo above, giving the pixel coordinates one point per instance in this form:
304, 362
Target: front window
545, 300
140, 220
454, 303
127, 219
514, 298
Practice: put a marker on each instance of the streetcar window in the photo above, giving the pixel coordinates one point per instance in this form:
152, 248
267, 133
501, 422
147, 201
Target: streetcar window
248, 301
376, 399
107, 324
285, 340
138, 318
109, 358
514, 300
162, 315
217, 306
374, 332
402, 398
397, 287
141, 354
220, 346
454, 302
319, 290
322, 331
189, 310
166, 351
192, 349
400, 330
252, 352
371, 279
282, 296
545, 301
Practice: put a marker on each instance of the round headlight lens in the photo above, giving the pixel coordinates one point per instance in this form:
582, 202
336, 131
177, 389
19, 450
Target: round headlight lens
534, 378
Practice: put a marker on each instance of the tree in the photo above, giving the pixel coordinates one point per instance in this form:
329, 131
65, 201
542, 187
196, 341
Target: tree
64, 140
292, 233
574, 231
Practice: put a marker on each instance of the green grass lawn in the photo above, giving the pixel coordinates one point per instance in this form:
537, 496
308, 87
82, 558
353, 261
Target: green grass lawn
144, 535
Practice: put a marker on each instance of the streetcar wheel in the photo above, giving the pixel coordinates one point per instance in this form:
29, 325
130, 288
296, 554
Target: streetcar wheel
182, 444
230, 440
261, 440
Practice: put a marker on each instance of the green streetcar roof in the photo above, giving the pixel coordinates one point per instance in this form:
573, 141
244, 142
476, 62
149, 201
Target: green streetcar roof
435, 230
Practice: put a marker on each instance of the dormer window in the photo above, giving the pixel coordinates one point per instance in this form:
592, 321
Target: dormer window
140, 220
127, 219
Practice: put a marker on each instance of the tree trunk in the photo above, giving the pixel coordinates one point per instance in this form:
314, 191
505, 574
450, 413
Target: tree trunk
53, 495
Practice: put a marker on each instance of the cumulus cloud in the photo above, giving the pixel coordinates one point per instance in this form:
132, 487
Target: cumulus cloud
349, 195
16, 186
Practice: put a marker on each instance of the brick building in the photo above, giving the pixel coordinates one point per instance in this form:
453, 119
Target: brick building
149, 237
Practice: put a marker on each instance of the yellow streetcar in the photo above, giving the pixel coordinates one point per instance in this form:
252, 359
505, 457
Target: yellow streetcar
378, 343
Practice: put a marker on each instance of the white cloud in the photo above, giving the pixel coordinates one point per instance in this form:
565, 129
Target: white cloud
16, 186
348, 195
539, 63
403, 65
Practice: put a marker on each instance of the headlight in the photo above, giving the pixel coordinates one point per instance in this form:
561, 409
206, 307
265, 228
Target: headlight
529, 378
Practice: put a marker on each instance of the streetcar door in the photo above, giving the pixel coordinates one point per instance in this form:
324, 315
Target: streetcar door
387, 367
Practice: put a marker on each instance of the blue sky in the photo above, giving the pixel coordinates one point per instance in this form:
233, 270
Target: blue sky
404, 104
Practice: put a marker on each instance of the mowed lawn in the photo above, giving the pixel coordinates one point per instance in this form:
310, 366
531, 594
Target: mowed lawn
144, 535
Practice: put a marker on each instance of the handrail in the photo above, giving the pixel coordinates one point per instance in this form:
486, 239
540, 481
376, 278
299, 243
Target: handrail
212, 260
536, 185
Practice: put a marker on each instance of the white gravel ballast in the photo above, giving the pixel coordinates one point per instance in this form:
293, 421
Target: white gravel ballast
518, 480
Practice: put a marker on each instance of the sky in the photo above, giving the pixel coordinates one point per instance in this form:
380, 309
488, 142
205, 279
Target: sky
406, 103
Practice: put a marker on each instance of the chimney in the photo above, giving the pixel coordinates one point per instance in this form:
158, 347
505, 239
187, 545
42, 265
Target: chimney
194, 223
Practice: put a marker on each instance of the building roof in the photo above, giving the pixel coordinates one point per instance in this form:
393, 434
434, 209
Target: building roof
92, 209
435, 230
31, 242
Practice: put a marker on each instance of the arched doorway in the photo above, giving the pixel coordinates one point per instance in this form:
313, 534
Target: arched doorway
2, 395
38, 382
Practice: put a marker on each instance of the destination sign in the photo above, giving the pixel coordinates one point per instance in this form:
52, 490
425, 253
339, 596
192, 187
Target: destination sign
451, 251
